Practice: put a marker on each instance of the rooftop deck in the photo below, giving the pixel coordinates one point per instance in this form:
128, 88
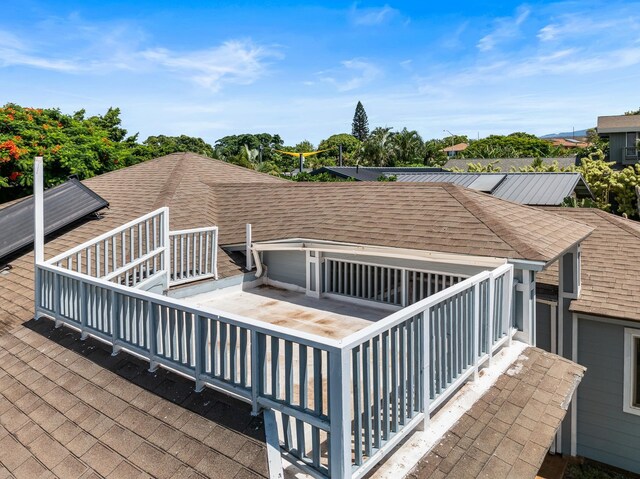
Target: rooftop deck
340, 383
325, 317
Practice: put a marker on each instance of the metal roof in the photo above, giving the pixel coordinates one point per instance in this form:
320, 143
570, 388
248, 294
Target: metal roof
63, 205
542, 188
524, 188
370, 173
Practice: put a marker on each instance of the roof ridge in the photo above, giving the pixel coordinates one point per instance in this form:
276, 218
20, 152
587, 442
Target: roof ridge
480, 214
171, 184
619, 222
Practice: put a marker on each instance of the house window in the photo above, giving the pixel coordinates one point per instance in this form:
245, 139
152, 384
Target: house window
632, 371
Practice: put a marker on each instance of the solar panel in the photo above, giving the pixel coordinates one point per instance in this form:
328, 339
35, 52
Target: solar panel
63, 205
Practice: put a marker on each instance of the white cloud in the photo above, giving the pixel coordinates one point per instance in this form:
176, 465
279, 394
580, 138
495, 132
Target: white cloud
504, 29
572, 26
233, 61
353, 74
373, 16
236, 61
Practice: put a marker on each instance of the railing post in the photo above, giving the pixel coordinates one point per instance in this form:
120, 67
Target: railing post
115, 323
426, 367
255, 372
153, 337
214, 252
84, 308
166, 239
507, 301
492, 285
38, 228
56, 300
198, 352
339, 414
476, 329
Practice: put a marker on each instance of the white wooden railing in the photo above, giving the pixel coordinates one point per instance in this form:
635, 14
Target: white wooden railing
194, 254
130, 255
341, 405
382, 283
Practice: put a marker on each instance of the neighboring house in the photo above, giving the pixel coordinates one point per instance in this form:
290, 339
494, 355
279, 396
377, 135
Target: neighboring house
507, 164
453, 150
599, 330
314, 304
534, 189
623, 132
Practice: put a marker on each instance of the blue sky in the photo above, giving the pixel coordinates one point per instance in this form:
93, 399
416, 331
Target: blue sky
209, 69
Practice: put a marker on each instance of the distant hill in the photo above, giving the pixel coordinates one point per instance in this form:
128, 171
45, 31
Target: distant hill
566, 134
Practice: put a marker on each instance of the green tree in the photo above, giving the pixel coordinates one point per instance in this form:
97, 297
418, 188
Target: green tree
232, 145
623, 186
633, 112
164, 145
304, 146
70, 145
515, 145
378, 149
317, 178
599, 176
350, 146
433, 154
360, 124
408, 147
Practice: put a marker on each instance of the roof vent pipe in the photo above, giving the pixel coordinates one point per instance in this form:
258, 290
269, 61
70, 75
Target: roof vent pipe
247, 252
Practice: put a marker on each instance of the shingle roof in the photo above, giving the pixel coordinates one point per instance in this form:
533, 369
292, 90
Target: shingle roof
507, 433
618, 123
610, 265
132, 192
67, 407
436, 217
507, 164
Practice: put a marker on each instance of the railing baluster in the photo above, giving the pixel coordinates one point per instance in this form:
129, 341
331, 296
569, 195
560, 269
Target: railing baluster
376, 371
385, 385
275, 369
233, 349
243, 357
357, 404
402, 358
366, 402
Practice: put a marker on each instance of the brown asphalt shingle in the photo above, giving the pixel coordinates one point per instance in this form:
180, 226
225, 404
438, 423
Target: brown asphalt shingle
77, 422
506, 434
436, 217
610, 265
201, 191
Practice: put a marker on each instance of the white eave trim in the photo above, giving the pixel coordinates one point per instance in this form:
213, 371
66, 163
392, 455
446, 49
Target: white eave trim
357, 249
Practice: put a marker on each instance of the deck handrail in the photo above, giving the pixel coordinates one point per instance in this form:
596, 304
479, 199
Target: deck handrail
194, 254
383, 380
107, 235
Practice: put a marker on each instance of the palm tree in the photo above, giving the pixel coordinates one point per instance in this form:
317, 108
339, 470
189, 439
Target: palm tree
408, 146
378, 149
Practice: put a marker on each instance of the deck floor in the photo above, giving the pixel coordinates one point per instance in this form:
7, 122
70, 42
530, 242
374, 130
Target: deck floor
325, 317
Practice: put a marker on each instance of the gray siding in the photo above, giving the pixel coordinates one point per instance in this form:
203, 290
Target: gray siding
286, 266
605, 433
543, 326
617, 142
